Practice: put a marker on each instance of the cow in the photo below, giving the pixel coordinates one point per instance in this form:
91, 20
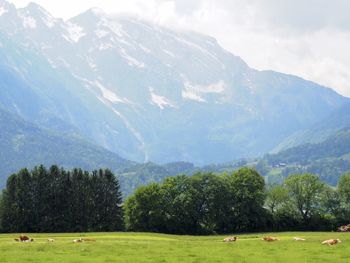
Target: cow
299, 239
23, 238
230, 239
50, 240
345, 228
331, 242
79, 240
88, 240
270, 239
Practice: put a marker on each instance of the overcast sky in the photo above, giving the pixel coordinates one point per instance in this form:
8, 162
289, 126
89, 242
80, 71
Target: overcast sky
309, 38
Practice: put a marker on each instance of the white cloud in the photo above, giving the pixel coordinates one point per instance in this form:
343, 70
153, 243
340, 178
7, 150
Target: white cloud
307, 38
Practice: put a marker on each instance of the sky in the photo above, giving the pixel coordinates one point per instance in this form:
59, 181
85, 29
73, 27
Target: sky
308, 38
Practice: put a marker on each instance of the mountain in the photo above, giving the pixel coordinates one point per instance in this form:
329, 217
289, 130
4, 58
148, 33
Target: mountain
320, 131
23, 144
329, 158
147, 92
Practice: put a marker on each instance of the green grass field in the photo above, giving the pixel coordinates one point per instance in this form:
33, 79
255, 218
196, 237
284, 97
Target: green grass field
143, 247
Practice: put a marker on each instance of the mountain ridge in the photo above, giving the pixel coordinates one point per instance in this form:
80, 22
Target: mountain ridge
154, 94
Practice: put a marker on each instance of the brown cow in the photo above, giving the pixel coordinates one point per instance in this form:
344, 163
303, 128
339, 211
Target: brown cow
331, 242
270, 239
23, 238
230, 239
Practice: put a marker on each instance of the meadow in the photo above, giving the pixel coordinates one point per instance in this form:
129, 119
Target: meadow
145, 247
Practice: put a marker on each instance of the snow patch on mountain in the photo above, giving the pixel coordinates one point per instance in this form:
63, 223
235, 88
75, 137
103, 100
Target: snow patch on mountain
131, 60
108, 94
218, 87
27, 21
190, 95
74, 31
194, 92
49, 20
160, 101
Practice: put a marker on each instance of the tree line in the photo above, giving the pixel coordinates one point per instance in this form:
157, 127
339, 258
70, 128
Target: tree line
56, 200
238, 202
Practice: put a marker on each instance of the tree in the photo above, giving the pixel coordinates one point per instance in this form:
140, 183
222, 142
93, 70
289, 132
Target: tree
344, 193
179, 206
186, 205
277, 197
330, 201
247, 190
9, 218
1, 211
210, 199
144, 210
56, 200
305, 191
344, 188
106, 202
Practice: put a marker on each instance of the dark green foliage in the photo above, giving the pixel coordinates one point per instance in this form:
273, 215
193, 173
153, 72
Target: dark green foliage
238, 202
203, 203
56, 200
303, 202
248, 194
305, 192
344, 188
344, 196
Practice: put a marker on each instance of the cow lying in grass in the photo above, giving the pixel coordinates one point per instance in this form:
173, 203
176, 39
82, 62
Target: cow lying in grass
345, 228
230, 239
331, 242
23, 238
299, 239
80, 240
270, 239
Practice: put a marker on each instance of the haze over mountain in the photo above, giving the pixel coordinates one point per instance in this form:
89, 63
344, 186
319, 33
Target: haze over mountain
320, 131
23, 144
147, 92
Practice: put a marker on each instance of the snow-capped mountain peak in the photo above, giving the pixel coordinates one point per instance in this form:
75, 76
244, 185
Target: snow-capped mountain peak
148, 92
